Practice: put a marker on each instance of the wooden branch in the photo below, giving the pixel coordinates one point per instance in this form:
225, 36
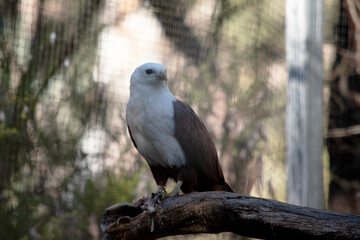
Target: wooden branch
343, 132
215, 212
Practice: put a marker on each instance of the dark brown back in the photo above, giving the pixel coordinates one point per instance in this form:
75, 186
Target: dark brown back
199, 149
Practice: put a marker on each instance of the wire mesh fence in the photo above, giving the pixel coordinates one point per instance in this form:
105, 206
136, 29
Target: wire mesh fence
65, 154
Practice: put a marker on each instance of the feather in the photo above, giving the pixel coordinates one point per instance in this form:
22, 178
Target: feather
199, 149
169, 134
131, 137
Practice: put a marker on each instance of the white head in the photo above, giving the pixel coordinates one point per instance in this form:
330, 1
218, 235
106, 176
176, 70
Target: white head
149, 74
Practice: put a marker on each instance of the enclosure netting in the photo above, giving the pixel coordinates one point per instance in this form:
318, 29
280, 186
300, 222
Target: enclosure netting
65, 67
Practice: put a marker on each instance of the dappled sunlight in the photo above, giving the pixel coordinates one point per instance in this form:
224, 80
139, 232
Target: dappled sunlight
65, 68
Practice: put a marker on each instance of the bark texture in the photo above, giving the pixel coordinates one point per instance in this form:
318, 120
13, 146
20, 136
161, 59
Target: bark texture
215, 212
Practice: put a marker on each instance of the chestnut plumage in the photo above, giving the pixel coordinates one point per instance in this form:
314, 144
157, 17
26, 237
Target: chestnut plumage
170, 136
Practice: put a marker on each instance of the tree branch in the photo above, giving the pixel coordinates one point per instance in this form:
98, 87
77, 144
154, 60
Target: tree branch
343, 132
215, 212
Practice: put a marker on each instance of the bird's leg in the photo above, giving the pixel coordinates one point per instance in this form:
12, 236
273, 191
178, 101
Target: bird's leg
175, 191
149, 203
159, 193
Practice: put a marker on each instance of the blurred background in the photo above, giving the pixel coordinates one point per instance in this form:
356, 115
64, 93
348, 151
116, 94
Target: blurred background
65, 66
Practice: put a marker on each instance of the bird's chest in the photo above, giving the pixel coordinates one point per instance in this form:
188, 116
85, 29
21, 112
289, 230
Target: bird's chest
151, 115
152, 126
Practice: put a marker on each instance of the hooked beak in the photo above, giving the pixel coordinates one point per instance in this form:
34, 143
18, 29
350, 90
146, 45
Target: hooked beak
162, 76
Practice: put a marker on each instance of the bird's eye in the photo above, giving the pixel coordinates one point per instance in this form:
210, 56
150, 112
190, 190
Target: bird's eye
149, 71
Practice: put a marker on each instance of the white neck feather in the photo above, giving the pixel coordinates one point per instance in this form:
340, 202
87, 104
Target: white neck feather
159, 89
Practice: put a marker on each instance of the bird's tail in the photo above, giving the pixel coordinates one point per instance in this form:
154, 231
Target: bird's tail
222, 187
228, 188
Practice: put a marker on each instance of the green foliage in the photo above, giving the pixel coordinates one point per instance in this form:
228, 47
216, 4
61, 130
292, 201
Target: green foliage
90, 201
48, 99
8, 134
48, 216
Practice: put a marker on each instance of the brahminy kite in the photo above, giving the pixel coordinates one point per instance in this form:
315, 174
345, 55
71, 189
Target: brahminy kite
170, 136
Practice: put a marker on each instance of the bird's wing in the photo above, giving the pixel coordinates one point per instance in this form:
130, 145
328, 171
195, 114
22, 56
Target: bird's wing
132, 139
196, 143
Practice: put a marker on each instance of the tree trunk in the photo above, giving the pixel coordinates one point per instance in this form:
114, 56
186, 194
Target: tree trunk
214, 212
304, 103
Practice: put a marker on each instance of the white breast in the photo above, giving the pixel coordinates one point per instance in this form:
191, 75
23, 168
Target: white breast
150, 116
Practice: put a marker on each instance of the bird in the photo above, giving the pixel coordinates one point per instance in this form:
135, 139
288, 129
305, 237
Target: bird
170, 136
